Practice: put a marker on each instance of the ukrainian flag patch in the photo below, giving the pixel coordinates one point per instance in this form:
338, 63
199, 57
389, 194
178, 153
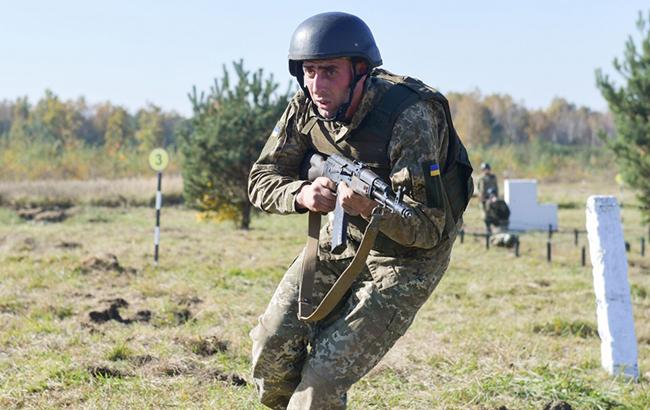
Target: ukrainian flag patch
433, 184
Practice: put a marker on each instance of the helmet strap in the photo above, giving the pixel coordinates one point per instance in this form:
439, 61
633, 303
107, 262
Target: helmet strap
343, 109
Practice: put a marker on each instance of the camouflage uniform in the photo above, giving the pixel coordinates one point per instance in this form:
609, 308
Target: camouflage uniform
484, 183
406, 264
497, 214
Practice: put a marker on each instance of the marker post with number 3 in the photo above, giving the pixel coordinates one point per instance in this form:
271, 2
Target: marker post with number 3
158, 160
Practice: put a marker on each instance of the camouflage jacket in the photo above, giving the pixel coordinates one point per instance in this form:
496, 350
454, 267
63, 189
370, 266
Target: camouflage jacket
497, 211
420, 134
485, 182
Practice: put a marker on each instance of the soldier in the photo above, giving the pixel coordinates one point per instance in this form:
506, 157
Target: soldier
497, 213
486, 181
346, 106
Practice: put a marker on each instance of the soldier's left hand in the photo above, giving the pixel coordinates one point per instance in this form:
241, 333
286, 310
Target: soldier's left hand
353, 203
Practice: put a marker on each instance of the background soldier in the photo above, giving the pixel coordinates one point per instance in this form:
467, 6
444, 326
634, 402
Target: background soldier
346, 106
486, 181
497, 213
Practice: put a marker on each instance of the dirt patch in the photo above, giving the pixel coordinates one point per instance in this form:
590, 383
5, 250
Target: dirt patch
177, 369
28, 214
189, 368
181, 316
98, 220
189, 300
113, 313
106, 262
558, 405
142, 316
51, 216
230, 378
113, 201
68, 245
42, 214
106, 372
206, 346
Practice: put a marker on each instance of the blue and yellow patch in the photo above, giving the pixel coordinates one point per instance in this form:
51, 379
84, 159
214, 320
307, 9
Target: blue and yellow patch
433, 184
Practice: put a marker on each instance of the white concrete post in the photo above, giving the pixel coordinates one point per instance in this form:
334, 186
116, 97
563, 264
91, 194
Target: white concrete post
618, 348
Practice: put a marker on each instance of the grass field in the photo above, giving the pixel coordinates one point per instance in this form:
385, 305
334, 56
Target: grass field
81, 329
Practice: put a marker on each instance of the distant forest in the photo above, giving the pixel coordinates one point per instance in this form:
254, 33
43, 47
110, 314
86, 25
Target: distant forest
497, 120
69, 124
55, 138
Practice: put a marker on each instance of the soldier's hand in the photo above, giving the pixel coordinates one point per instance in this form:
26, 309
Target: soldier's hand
319, 196
353, 203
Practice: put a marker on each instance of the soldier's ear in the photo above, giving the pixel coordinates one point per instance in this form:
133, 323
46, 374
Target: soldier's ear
361, 67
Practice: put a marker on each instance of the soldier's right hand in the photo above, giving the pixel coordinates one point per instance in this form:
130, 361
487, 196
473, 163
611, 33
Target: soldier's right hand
319, 196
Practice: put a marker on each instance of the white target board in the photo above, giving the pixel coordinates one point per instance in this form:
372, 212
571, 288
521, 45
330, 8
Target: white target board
525, 213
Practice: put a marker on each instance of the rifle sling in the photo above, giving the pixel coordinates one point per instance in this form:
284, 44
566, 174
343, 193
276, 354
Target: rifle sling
306, 309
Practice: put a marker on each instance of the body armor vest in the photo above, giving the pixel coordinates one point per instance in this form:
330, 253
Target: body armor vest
369, 142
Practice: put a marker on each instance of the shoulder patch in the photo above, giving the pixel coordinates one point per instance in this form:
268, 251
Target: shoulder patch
433, 184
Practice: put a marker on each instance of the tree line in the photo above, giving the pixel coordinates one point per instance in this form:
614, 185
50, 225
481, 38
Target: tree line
74, 123
497, 119
480, 120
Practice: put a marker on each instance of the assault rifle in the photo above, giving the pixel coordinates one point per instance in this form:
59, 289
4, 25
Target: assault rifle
361, 180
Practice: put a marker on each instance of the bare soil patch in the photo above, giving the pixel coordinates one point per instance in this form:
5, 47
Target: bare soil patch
558, 405
43, 214
106, 262
230, 378
113, 313
106, 372
68, 245
206, 346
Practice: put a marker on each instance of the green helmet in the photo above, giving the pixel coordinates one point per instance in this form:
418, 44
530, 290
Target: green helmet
331, 35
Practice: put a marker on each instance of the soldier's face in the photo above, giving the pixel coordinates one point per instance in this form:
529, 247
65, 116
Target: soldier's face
328, 83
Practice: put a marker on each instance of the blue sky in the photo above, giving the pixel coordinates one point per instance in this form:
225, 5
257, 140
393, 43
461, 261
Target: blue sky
134, 52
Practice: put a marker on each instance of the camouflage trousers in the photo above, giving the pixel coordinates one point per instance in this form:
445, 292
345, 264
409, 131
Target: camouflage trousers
298, 365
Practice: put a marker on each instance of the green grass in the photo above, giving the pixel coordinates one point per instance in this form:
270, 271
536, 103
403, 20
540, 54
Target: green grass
499, 330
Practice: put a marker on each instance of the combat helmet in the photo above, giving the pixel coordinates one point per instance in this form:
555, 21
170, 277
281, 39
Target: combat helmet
332, 35
485, 165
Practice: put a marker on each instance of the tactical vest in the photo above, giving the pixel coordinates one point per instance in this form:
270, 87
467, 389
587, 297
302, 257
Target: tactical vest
487, 182
497, 210
369, 143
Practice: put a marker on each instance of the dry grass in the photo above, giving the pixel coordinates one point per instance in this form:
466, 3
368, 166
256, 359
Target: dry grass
499, 331
115, 192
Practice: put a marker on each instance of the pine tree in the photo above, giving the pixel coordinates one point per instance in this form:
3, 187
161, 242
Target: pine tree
630, 107
228, 130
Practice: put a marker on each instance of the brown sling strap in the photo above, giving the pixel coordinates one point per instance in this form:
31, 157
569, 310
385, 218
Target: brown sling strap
306, 309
